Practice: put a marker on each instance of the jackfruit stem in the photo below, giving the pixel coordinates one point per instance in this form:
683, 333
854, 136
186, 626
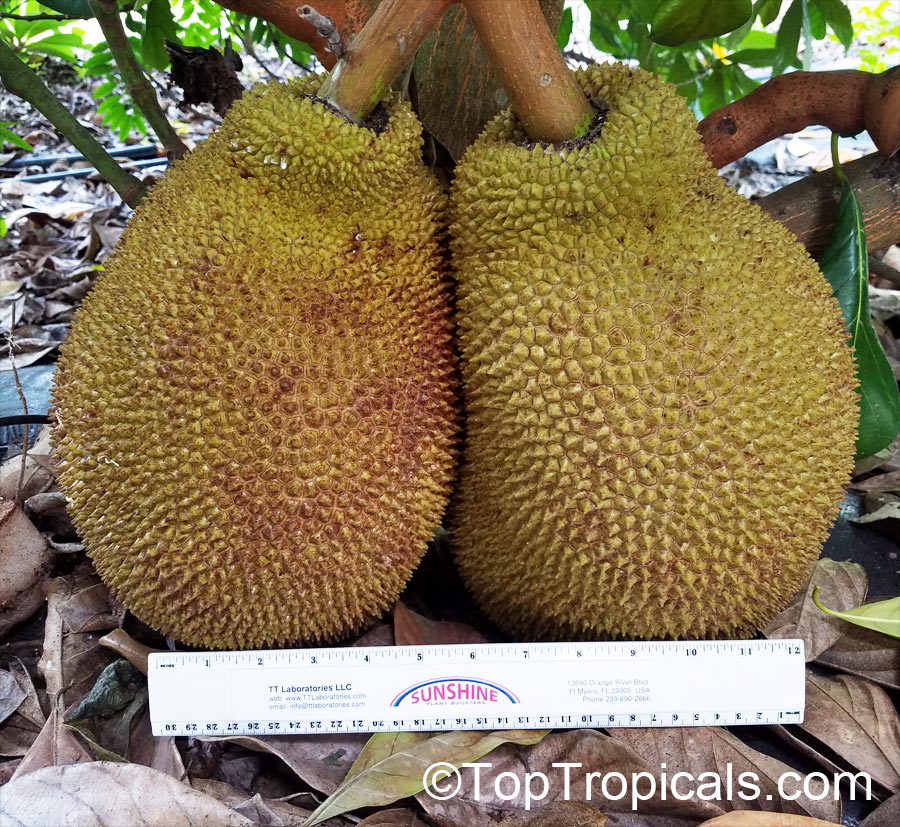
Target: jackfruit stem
379, 53
139, 88
543, 92
24, 83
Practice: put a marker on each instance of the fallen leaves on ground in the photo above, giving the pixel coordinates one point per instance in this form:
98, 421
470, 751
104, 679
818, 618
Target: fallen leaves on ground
392, 765
866, 654
842, 585
746, 818
104, 794
24, 563
411, 629
858, 721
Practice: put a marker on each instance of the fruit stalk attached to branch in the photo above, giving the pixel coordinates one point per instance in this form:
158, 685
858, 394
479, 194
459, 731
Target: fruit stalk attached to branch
846, 101
543, 92
107, 14
23, 82
388, 42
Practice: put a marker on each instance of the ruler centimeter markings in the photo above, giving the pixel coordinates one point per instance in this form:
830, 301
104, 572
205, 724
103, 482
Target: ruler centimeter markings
478, 686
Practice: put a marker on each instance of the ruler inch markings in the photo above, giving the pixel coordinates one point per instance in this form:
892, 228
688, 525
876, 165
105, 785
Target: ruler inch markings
477, 687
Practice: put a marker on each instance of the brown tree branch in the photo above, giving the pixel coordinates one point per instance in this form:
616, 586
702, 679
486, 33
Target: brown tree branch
808, 207
846, 101
543, 92
387, 43
348, 16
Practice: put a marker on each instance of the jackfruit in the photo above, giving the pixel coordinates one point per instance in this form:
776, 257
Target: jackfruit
660, 399
256, 406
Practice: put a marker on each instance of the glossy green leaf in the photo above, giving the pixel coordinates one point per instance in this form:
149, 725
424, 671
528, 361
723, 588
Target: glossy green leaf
685, 21
7, 136
883, 616
768, 10
837, 15
564, 32
788, 38
845, 264
73, 8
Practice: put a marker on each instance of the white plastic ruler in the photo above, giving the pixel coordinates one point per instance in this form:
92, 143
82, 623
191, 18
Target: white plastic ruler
482, 686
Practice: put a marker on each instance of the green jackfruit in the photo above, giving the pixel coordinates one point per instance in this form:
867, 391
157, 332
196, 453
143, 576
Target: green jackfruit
660, 399
256, 406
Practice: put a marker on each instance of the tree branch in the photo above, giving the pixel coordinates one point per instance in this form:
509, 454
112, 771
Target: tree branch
808, 207
379, 53
846, 101
28, 17
23, 82
542, 90
107, 14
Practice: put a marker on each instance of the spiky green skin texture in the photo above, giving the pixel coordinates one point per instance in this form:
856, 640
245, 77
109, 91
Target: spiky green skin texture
256, 405
659, 394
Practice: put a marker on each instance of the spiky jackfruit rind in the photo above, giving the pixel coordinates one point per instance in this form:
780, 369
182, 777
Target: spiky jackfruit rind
660, 398
256, 404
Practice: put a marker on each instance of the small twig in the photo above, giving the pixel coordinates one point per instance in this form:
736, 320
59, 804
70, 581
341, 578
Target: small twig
22, 81
325, 28
884, 271
572, 54
141, 92
248, 46
19, 499
28, 17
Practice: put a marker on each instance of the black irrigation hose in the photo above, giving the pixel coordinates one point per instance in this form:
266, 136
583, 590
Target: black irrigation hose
86, 171
136, 151
21, 419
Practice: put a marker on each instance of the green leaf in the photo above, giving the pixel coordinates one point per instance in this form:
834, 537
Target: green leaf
73, 8
883, 616
845, 264
391, 765
788, 38
3, 228
564, 32
104, 89
160, 27
753, 57
7, 136
837, 15
685, 21
715, 92
768, 10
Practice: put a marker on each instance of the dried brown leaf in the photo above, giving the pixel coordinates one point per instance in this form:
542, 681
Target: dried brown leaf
393, 818
321, 761
56, 745
37, 478
103, 794
867, 654
479, 805
857, 720
22, 728
842, 586
11, 694
411, 629
749, 818
886, 815
558, 814
714, 749
24, 563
